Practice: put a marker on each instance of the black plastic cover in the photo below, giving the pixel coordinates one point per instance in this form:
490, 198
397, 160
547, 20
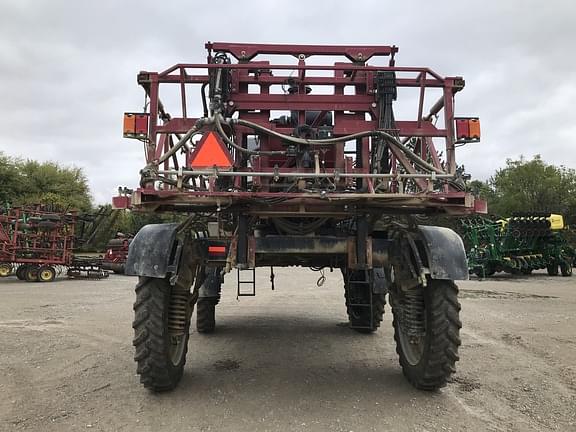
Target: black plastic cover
446, 253
151, 251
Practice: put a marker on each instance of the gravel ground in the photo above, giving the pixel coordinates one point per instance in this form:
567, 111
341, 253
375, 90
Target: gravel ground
285, 361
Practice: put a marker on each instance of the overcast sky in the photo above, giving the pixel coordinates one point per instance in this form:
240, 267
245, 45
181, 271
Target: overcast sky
68, 68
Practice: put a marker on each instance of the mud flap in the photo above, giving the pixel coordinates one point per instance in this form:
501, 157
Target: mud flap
380, 285
212, 284
445, 252
153, 252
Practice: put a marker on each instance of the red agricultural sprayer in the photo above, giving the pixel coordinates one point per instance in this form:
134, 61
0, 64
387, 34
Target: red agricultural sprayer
280, 159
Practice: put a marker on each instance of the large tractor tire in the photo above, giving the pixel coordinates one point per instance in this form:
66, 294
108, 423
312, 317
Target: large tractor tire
209, 297
206, 314
21, 272
363, 319
161, 329
427, 332
31, 273
552, 269
566, 268
119, 270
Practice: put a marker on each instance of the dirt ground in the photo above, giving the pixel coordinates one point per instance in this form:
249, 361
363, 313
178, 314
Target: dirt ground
285, 361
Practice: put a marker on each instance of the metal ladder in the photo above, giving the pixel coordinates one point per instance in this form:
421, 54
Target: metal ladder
361, 286
251, 281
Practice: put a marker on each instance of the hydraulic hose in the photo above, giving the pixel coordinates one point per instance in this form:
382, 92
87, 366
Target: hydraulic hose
218, 118
389, 138
204, 103
218, 123
181, 142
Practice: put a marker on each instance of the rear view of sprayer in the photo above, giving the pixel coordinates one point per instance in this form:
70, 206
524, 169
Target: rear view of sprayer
300, 164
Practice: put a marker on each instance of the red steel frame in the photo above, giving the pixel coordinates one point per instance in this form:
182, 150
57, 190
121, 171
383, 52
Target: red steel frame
352, 113
53, 247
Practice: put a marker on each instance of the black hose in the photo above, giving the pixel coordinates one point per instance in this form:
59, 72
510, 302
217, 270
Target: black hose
180, 142
231, 143
392, 140
204, 102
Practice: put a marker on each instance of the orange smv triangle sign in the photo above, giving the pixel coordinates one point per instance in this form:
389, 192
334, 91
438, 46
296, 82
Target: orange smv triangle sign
210, 152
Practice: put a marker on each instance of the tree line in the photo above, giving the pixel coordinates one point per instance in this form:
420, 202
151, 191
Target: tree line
30, 182
26, 182
529, 186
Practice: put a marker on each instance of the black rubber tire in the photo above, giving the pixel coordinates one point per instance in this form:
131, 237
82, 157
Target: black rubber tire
31, 273
441, 340
21, 272
157, 369
359, 318
206, 315
552, 269
118, 268
46, 274
565, 269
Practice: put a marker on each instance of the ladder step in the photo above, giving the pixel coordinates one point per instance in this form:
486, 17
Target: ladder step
252, 281
362, 285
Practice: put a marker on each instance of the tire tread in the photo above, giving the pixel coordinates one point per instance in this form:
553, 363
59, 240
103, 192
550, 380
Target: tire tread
151, 338
444, 338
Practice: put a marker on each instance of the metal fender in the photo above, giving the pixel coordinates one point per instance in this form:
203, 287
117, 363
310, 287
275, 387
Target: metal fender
153, 252
446, 253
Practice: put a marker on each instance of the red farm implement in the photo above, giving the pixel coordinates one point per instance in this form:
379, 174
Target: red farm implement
37, 242
301, 163
116, 253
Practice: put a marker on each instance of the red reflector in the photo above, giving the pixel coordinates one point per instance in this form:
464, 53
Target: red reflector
462, 129
129, 124
474, 128
217, 249
141, 124
136, 125
210, 152
467, 129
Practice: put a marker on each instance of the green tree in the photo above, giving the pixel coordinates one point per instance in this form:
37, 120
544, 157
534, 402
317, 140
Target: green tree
10, 180
530, 185
480, 189
50, 183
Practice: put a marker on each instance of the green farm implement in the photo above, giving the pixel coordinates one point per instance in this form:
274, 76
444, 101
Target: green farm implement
518, 245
